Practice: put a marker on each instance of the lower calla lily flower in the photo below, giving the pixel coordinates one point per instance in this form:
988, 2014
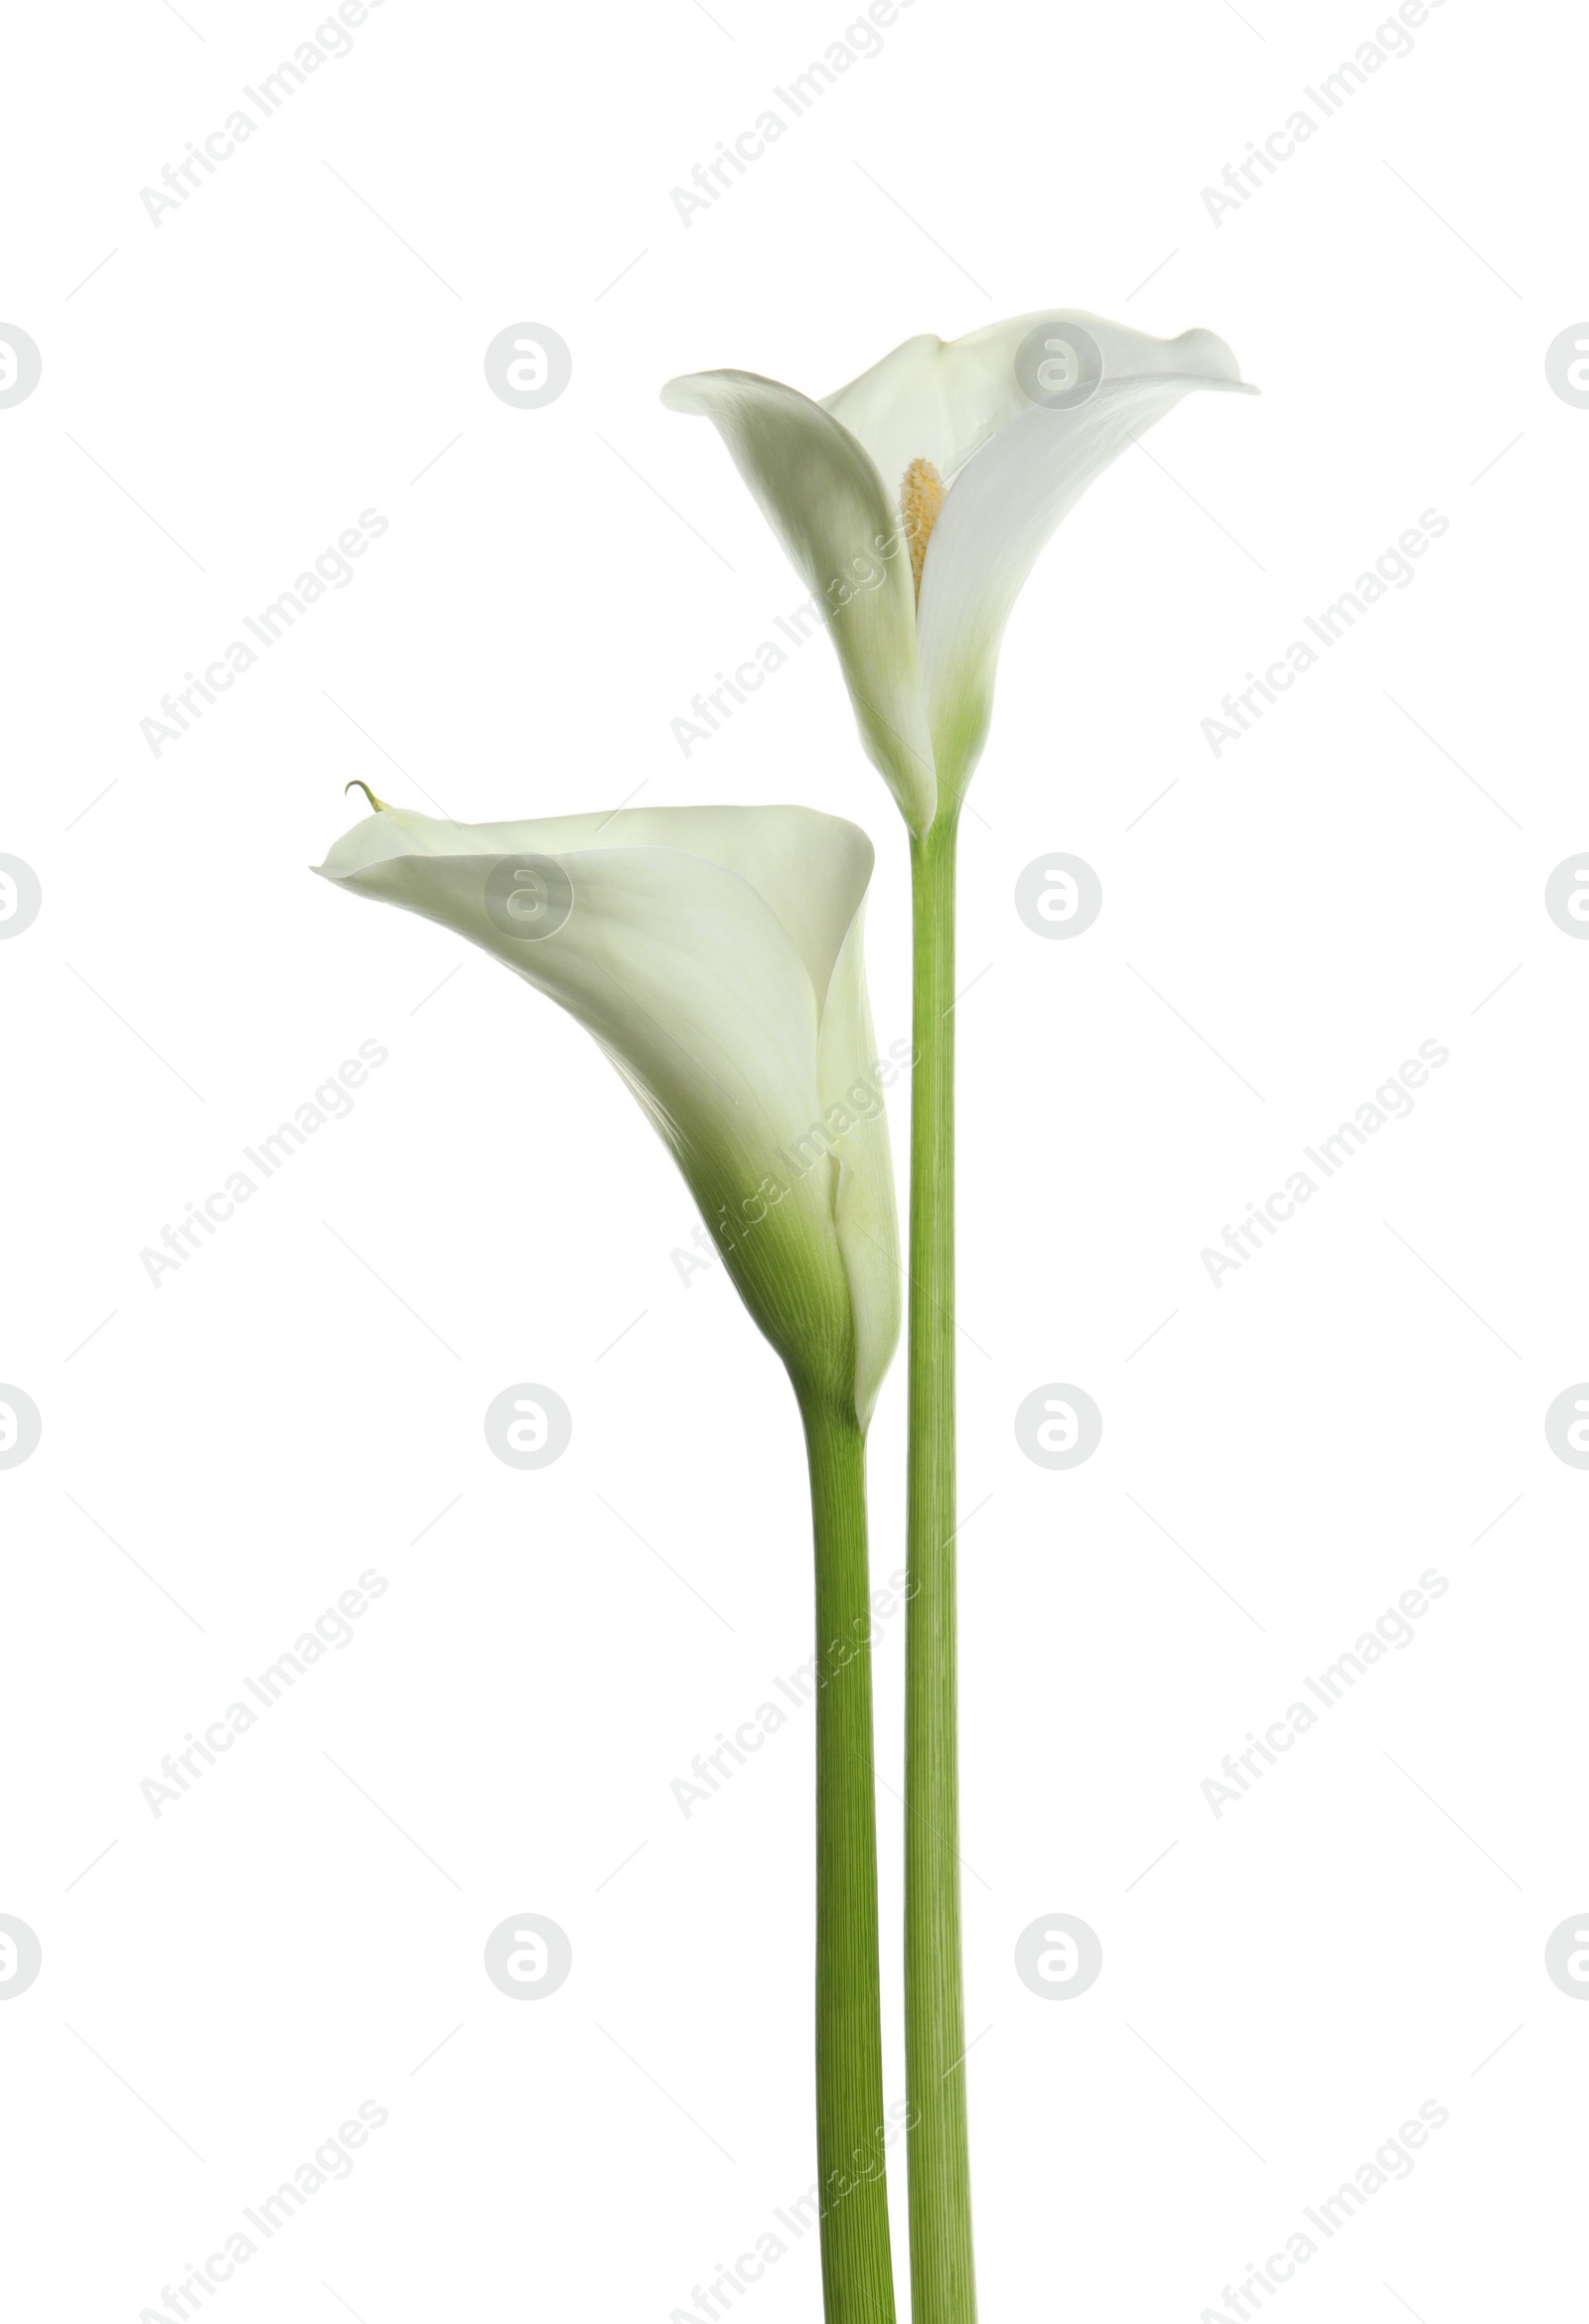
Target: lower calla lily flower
915, 502
715, 954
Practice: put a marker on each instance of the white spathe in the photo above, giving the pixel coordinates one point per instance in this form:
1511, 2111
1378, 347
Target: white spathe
716, 955
827, 475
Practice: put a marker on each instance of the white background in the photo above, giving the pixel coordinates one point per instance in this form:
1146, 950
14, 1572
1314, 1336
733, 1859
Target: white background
224, 1454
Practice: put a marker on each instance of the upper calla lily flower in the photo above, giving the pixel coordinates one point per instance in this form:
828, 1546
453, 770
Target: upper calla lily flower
914, 503
715, 953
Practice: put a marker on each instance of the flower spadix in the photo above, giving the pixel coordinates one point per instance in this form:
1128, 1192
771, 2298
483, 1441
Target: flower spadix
715, 954
914, 503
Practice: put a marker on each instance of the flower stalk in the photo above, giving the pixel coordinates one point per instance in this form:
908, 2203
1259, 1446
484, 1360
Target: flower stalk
857, 2259
943, 2281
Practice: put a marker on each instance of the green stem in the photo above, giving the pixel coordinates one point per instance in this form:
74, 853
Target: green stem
857, 2264
942, 2279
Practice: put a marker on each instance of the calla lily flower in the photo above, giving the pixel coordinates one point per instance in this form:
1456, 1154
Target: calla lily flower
914, 503
715, 954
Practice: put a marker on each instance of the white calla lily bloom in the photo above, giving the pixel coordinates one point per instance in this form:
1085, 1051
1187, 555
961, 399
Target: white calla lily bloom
915, 502
715, 953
